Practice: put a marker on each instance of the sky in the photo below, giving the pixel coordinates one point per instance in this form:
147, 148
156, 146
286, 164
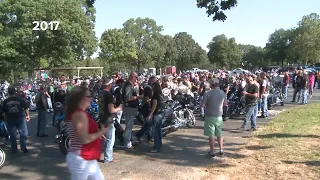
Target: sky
251, 22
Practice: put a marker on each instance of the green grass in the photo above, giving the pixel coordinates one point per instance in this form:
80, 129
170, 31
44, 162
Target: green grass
294, 136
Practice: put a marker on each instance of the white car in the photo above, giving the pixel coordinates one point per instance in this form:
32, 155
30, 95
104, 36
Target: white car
239, 71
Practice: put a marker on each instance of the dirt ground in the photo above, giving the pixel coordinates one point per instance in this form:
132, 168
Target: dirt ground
279, 151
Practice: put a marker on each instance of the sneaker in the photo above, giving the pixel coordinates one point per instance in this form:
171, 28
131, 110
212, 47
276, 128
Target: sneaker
242, 128
25, 151
211, 155
221, 153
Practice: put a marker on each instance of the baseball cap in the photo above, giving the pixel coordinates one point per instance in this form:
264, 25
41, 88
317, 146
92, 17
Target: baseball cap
214, 81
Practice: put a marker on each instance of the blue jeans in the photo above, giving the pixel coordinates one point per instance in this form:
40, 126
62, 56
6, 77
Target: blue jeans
49, 103
202, 109
157, 121
251, 115
128, 131
42, 122
304, 95
21, 125
147, 128
264, 105
110, 139
285, 90
259, 104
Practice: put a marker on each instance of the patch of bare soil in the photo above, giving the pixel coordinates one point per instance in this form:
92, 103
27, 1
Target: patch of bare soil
263, 163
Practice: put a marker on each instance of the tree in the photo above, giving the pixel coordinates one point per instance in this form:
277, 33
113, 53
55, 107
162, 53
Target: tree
169, 52
74, 38
117, 49
216, 9
224, 52
145, 33
252, 56
189, 52
277, 46
305, 40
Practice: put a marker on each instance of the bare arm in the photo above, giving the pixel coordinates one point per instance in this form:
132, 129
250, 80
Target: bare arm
80, 121
47, 94
27, 112
112, 109
204, 101
225, 102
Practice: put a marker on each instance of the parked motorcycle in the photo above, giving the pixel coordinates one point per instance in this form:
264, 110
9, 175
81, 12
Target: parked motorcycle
2, 158
276, 97
179, 114
3, 134
236, 103
30, 99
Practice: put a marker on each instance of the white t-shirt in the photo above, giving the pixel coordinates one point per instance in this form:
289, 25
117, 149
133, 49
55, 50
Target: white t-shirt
243, 83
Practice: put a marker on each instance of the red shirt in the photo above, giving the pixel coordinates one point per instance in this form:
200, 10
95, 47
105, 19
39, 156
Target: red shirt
90, 151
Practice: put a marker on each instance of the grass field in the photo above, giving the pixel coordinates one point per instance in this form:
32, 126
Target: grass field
286, 148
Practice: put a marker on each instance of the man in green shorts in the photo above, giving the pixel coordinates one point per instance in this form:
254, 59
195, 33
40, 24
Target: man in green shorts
213, 101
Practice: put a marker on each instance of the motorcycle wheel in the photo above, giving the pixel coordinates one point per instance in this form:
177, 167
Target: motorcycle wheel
164, 133
192, 121
2, 158
64, 144
33, 107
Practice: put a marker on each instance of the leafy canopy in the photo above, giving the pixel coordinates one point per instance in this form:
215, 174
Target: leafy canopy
216, 8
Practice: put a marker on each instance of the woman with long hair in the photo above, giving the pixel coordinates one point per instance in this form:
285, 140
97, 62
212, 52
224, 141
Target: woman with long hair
85, 146
156, 115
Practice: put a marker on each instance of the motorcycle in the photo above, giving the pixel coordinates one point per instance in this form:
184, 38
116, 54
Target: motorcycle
2, 95
179, 114
236, 103
2, 158
275, 97
30, 98
3, 134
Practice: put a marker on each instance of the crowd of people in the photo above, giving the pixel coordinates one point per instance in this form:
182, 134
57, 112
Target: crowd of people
123, 97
